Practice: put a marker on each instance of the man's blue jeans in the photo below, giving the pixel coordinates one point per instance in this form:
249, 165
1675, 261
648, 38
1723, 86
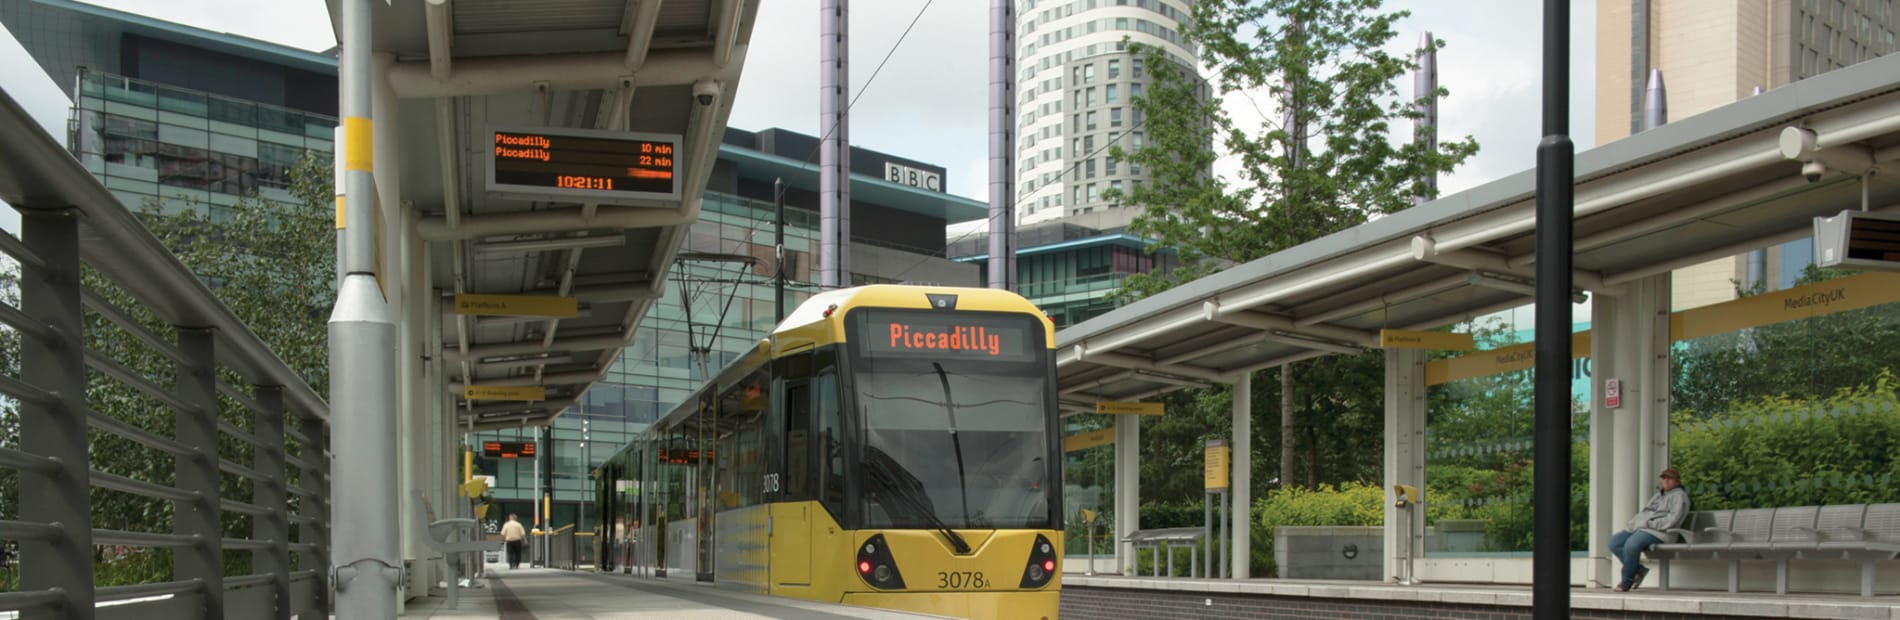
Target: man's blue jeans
1628, 546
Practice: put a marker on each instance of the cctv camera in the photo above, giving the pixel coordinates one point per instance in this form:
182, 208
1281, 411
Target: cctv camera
1812, 170
705, 91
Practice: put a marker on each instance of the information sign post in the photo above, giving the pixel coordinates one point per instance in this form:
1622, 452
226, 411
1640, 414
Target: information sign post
1214, 479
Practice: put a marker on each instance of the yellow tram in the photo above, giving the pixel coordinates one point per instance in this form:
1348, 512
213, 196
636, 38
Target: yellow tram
887, 446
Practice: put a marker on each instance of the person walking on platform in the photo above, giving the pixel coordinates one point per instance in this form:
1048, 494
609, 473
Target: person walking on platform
1648, 527
514, 535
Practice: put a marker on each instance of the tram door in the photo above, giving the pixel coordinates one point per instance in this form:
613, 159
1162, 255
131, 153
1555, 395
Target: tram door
706, 431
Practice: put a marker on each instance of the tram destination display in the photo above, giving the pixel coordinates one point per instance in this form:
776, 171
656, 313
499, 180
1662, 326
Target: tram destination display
613, 167
946, 335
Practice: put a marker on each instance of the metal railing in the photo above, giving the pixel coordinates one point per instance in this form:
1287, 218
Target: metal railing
227, 412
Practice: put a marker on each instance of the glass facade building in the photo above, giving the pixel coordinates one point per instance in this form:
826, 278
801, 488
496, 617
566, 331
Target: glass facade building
188, 149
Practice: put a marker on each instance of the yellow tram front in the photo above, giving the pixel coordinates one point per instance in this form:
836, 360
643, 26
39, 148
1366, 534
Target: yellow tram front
952, 502
888, 446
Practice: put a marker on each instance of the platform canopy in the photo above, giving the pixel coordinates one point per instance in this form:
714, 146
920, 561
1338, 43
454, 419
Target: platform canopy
553, 154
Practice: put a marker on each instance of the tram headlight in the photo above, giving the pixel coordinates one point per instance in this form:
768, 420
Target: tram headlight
1042, 564
876, 566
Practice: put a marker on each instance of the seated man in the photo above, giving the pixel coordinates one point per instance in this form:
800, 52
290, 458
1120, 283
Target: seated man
1648, 527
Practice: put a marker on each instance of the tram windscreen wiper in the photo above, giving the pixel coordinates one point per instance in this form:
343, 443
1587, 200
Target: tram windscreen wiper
878, 467
956, 443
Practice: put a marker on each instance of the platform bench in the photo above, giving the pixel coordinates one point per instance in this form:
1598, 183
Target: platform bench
1867, 533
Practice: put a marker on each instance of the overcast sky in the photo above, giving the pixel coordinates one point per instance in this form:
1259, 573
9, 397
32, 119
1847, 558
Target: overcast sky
929, 101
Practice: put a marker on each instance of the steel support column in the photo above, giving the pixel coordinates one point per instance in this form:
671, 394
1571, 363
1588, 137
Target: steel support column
1242, 489
56, 427
274, 495
365, 555
197, 427
1002, 262
1404, 459
1127, 489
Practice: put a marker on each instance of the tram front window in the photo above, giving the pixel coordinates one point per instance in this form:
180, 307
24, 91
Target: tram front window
949, 448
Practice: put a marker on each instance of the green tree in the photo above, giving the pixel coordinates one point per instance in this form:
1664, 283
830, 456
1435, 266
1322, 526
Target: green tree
272, 263
1332, 167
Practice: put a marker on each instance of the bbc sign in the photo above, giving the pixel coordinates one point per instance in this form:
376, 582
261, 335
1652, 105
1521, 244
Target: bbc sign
906, 175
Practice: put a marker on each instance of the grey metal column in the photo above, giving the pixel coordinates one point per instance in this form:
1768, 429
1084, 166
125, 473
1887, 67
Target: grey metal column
197, 427
365, 558
1002, 262
274, 527
1242, 467
834, 164
1425, 91
313, 476
1127, 489
56, 425
1404, 458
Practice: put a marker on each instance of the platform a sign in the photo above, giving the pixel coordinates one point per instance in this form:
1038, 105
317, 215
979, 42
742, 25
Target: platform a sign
1412, 339
1120, 408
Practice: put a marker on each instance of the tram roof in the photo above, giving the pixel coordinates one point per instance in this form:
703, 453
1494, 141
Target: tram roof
1704, 188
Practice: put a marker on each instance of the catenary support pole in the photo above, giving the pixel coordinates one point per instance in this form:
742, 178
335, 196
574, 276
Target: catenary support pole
1550, 569
778, 245
834, 164
365, 558
1425, 92
1002, 263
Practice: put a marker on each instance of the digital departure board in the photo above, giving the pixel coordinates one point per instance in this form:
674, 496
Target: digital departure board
583, 165
508, 449
945, 335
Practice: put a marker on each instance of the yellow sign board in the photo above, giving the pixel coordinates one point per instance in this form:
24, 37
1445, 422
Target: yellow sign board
1215, 472
1817, 299
517, 305
1411, 339
1091, 439
1116, 408
1496, 361
505, 392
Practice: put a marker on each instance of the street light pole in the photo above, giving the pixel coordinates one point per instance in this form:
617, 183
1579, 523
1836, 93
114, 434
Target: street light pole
1556, 160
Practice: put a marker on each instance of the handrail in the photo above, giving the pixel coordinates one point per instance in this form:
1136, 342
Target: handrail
16, 319
118, 245
133, 433
12, 247
71, 226
145, 539
22, 601
92, 299
123, 484
98, 361
115, 593
22, 461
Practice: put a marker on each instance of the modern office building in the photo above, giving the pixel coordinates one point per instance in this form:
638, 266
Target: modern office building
718, 300
1714, 53
163, 110
1070, 270
1076, 78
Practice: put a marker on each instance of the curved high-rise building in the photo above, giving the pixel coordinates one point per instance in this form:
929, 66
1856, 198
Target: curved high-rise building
1076, 80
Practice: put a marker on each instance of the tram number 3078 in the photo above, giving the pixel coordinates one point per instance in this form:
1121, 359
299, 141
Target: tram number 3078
959, 580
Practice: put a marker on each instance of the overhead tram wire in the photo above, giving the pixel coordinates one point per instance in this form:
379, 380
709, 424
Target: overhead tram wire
1065, 169
806, 165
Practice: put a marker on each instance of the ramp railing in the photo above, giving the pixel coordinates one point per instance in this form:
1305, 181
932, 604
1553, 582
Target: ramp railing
162, 452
